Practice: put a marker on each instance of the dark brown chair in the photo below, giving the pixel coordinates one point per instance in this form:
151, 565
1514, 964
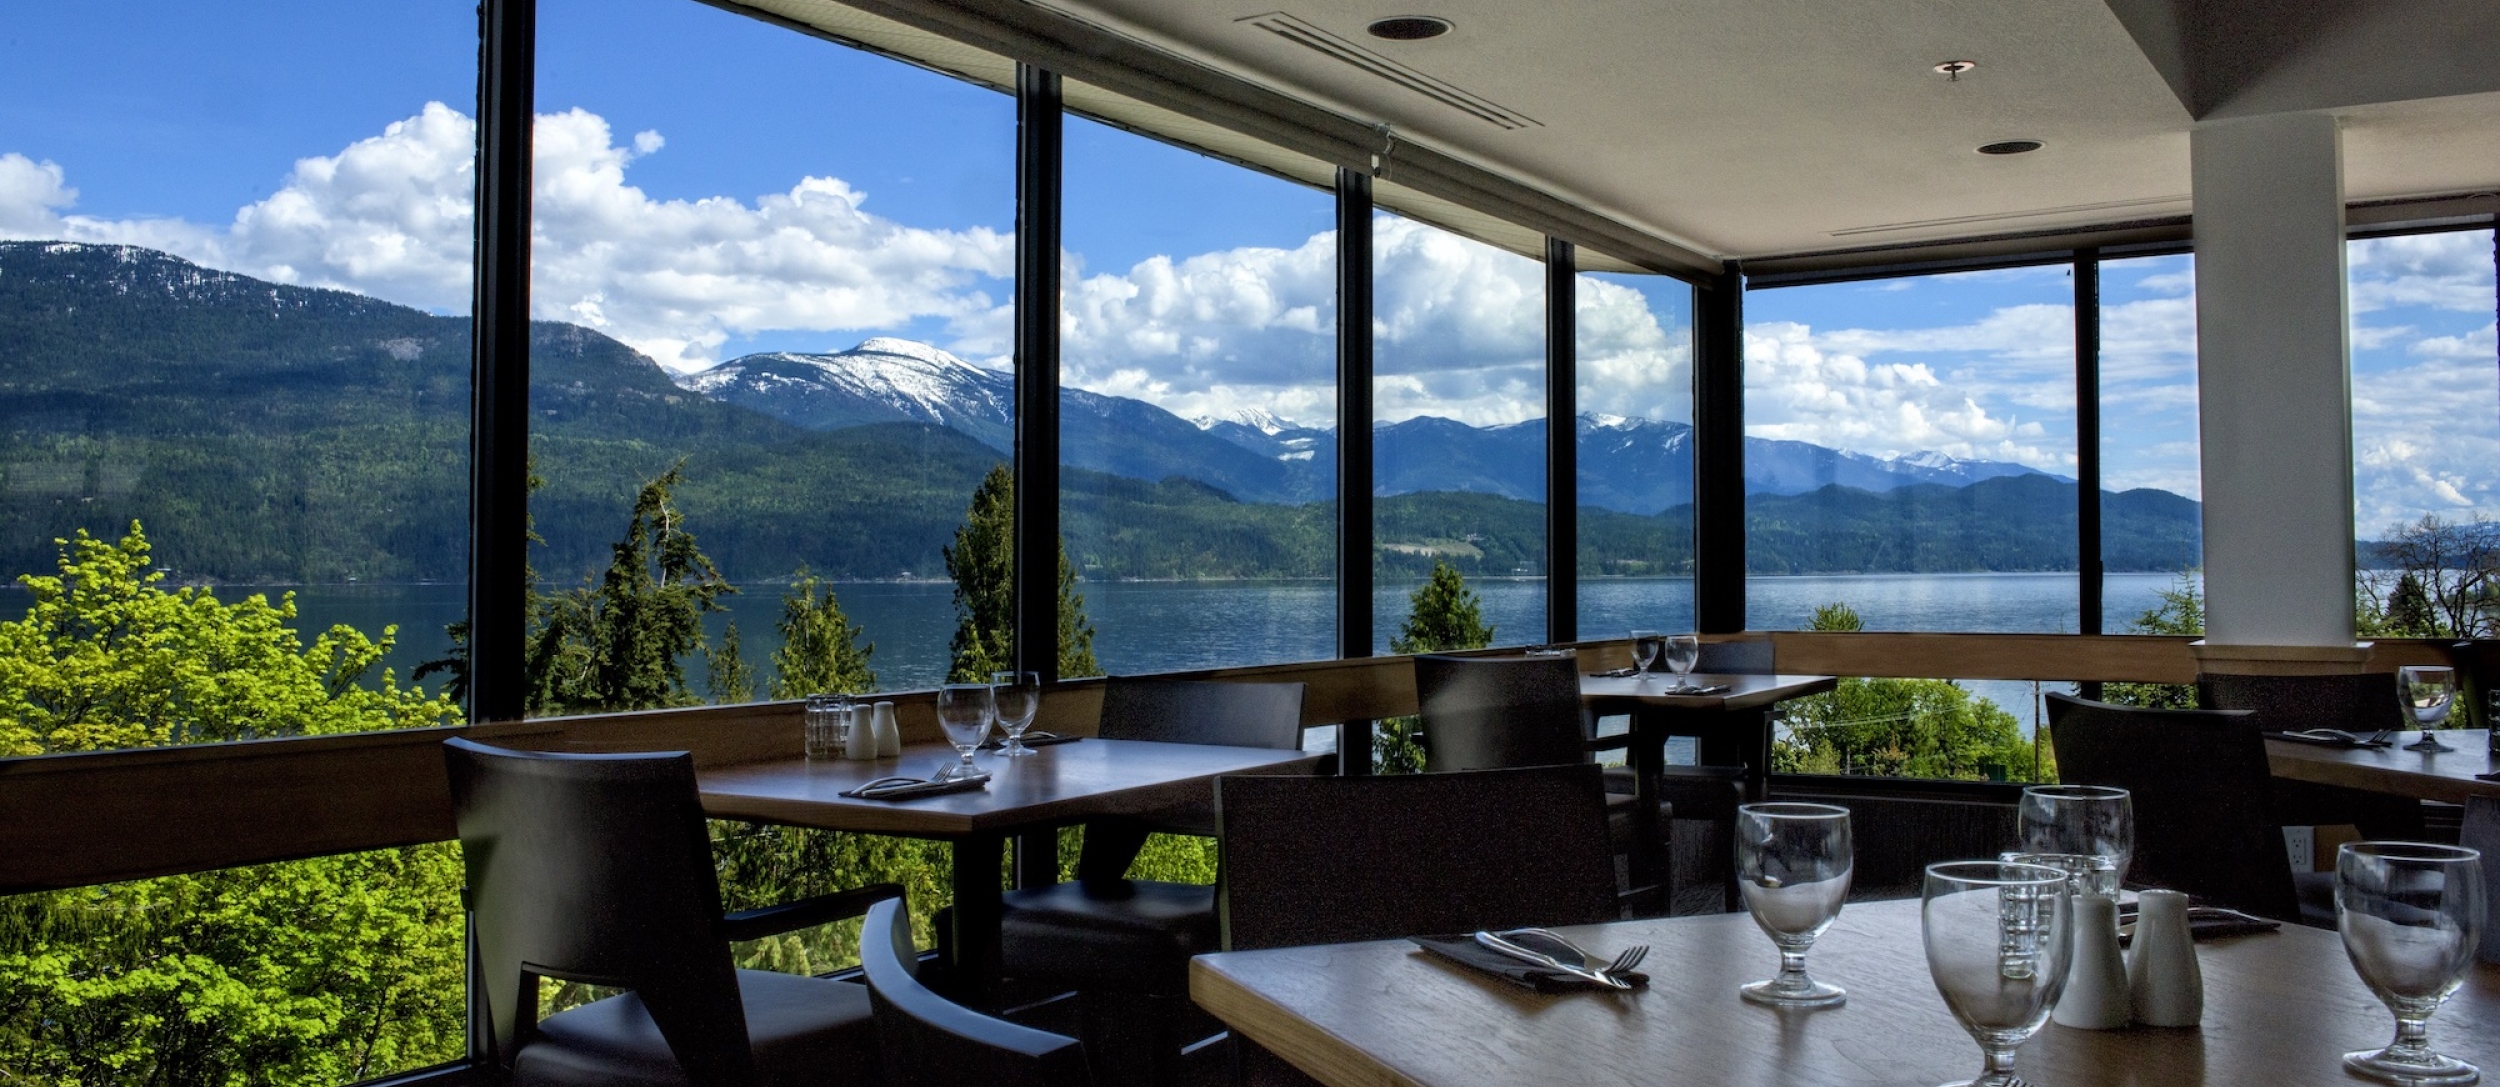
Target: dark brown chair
2353, 701
2481, 830
2202, 797
1499, 713
597, 869
1323, 860
1108, 934
929, 1041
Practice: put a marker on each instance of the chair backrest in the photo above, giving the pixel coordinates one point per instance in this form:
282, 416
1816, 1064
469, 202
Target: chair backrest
1739, 657
1492, 713
1194, 711
2480, 830
1311, 860
2363, 701
2200, 786
2478, 678
929, 1041
597, 868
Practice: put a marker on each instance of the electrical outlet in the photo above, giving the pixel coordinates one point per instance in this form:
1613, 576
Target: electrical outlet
2302, 844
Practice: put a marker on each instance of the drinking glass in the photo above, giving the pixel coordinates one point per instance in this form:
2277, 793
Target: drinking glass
1645, 649
964, 711
2084, 820
828, 723
2428, 692
1792, 863
1998, 949
1018, 696
1683, 652
2411, 915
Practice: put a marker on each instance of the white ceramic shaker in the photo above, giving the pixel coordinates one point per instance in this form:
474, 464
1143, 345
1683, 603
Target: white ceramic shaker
2168, 989
889, 735
2097, 995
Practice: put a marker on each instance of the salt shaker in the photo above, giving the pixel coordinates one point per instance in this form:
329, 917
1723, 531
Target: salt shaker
2167, 988
859, 738
2097, 996
889, 736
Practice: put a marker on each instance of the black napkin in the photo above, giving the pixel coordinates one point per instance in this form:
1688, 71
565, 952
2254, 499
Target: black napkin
1465, 951
2204, 923
1618, 673
1033, 739
913, 790
2326, 738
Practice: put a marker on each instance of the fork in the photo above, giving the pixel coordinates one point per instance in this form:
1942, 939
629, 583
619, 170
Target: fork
1539, 958
1624, 960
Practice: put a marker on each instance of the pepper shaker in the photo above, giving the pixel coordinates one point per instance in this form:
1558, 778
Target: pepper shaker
2162, 976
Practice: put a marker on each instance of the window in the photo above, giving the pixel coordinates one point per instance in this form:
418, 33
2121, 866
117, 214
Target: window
234, 285
1198, 372
2426, 431
776, 279
2150, 523
1459, 454
1635, 359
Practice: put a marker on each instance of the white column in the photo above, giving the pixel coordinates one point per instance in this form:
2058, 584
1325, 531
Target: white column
2274, 380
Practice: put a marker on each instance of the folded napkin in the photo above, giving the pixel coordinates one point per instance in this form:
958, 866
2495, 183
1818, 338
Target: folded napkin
2204, 923
1619, 673
1465, 951
1716, 688
1033, 739
913, 788
2328, 737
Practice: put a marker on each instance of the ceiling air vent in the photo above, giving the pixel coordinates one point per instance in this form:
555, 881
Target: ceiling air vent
1310, 37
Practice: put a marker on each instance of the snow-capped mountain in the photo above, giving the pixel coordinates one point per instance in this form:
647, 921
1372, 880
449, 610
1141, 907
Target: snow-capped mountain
1637, 466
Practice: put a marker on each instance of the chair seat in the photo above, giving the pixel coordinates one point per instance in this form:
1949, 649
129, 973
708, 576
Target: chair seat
1129, 935
800, 1027
2316, 893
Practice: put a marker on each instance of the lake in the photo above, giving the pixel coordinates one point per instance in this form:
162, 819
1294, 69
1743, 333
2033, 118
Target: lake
1172, 626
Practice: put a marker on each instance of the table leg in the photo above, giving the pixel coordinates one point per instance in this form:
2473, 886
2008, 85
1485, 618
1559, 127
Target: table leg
974, 939
1650, 862
1036, 859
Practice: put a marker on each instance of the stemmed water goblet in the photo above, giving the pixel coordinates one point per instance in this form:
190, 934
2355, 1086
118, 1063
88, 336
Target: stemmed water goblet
1792, 863
2081, 820
2411, 915
1646, 646
1683, 651
2428, 693
1998, 949
1018, 696
964, 710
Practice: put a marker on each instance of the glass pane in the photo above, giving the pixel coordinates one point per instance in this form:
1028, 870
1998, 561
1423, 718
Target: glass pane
2426, 432
1459, 453
2151, 526
775, 368
1635, 353
1198, 362
1910, 452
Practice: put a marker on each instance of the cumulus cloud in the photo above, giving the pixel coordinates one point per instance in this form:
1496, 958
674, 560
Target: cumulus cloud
1804, 386
1213, 333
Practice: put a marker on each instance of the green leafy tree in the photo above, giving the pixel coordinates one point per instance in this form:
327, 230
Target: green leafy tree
617, 643
2409, 613
982, 561
820, 649
1928, 728
320, 971
2181, 612
727, 677
1442, 614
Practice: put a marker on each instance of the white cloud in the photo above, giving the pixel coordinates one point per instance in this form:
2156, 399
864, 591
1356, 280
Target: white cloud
31, 194
1804, 386
1211, 333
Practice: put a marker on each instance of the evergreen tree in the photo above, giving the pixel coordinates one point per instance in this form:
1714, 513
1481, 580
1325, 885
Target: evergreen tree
727, 677
617, 644
1930, 728
2181, 612
1443, 614
2409, 611
982, 561
820, 651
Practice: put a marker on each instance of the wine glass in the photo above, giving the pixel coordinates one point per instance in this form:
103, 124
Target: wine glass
2081, 820
1683, 652
1018, 696
2428, 692
1645, 649
1997, 947
2411, 915
1792, 863
964, 711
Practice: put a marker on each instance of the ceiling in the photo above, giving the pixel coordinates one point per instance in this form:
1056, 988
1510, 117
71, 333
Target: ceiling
1750, 129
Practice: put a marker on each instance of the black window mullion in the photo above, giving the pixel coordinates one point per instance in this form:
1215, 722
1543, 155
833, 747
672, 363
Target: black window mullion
2088, 438
1719, 454
499, 336
1562, 443
1039, 149
1354, 445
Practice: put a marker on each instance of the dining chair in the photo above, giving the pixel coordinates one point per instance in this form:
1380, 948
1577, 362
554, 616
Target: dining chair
1105, 933
2480, 830
2203, 802
597, 869
2353, 701
1496, 713
929, 1041
1323, 860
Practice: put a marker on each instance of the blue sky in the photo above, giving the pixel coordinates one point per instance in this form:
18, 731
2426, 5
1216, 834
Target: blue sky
710, 185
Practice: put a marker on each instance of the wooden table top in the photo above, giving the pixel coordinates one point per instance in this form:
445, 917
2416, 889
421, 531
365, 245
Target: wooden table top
1744, 691
1061, 783
2446, 776
2280, 1010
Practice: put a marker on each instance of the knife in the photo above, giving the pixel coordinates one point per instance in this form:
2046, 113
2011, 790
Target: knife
1535, 958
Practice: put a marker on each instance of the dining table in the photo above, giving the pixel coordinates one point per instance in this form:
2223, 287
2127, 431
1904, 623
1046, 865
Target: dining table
2446, 776
2280, 1009
1058, 785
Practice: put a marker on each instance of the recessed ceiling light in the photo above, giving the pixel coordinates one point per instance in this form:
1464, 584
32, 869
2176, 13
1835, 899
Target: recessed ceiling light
1409, 28
1952, 70
2009, 147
